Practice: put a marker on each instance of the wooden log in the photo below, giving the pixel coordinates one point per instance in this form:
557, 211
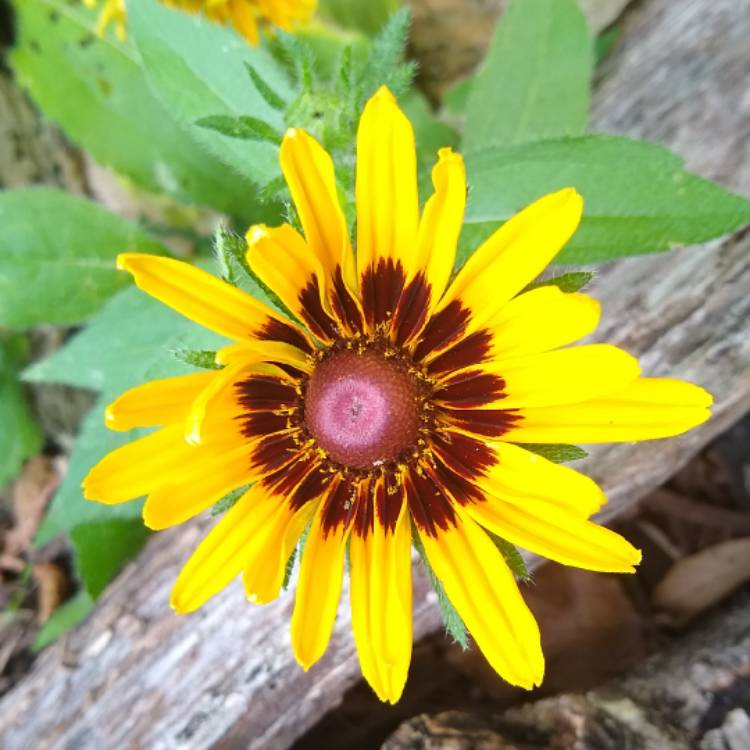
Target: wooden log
692, 694
136, 676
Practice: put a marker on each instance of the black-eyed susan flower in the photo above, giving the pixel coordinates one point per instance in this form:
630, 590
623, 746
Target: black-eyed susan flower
246, 16
397, 404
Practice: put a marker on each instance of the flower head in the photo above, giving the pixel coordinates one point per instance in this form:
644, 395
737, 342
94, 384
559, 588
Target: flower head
246, 16
398, 403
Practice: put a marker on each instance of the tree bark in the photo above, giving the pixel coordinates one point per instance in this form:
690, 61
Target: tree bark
136, 676
690, 696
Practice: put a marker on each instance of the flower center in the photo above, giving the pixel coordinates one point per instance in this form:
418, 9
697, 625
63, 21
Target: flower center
362, 409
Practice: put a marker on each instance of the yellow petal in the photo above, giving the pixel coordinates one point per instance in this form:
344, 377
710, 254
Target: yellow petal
381, 602
541, 320
135, 469
483, 590
649, 408
522, 477
563, 376
263, 575
199, 296
264, 351
283, 262
219, 401
557, 534
156, 403
515, 255
309, 173
227, 549
318, 590
210, 475
244, 20
386, 183
440, 224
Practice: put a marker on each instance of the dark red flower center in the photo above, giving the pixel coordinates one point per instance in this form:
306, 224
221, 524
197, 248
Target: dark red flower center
363, 409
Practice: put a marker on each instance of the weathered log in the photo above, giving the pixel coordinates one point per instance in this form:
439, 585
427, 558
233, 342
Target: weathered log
136, 676
692, 694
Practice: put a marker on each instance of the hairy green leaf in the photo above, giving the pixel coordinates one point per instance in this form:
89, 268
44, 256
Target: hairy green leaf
534, 83
638, 196
59, 251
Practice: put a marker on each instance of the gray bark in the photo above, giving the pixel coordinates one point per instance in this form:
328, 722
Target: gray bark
690, 696
136, 676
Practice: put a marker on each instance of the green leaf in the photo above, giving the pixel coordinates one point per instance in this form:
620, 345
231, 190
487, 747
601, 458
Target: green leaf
605, 42
125, 344
512, 557
368, 17
245, 128
638, 196
96, 90
199, 69
64, 618
20, 435
452, 621
566, 282
101, 549
69, 509
534, 83
558, 453
59, 251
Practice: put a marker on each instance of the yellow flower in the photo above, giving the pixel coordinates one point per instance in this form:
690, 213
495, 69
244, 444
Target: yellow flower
245, 15
398, 403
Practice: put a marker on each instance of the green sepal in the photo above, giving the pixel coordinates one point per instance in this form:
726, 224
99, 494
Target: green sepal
557, 453
566, 282
243, 127
269, 95
203, 358
452, 621
230, 250
512, 557
228, 501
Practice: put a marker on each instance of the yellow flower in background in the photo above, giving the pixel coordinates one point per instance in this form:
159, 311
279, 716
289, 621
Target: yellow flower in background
398, 403
246, 16
112, 12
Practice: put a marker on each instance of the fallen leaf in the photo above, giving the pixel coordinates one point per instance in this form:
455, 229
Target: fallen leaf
53, 584
698, 582
31, 494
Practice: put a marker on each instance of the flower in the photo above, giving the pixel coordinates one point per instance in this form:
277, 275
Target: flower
112, 12
245, 15
402, 407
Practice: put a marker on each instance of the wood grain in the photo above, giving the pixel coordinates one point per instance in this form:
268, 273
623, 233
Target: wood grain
136, 676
